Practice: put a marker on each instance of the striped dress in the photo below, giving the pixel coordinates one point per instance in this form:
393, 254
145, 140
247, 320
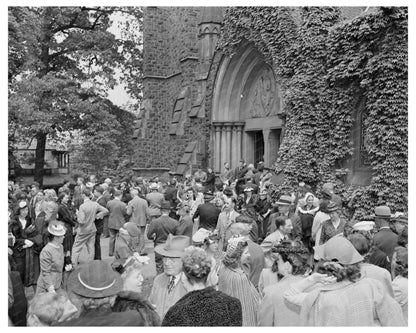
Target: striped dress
235, 283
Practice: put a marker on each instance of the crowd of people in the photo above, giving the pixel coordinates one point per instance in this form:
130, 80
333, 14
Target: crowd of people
226, 254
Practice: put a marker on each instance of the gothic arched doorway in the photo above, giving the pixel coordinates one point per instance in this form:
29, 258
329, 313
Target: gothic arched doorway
246, 110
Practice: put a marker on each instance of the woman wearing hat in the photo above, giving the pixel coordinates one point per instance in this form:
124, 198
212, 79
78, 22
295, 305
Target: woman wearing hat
52, 260
234, 282
339, 295
124, 245
334, 226
27, 243
202, 305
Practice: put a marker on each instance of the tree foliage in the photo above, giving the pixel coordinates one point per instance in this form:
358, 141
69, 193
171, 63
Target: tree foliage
62, 60
326, 68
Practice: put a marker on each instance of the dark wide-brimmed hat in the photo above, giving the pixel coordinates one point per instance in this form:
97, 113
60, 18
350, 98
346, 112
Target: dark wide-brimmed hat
174, 246
95, 279
228, 192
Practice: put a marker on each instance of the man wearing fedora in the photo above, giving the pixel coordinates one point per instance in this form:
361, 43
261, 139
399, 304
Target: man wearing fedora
93, 289
284, 208
385, 240
137, 208
168, 286
159, 229
225, 219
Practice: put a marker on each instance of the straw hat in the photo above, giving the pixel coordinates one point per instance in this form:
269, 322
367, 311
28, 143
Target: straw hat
56, 229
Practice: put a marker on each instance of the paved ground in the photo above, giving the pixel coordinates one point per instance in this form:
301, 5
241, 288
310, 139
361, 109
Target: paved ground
148, 271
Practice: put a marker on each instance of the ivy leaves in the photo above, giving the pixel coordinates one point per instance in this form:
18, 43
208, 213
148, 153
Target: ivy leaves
328, 69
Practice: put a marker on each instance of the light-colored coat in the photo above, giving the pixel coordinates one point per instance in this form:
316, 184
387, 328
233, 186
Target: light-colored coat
345, 303
51, 265
224, 222
137, 208
160, 297
401, 292
273, 311
273, 239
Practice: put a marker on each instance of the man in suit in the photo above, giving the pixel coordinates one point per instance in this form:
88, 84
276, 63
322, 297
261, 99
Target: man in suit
207, 212
116, 219
159, 230
242, 226
137, 208
284, 228
77, 198
168, 287
88, 213
225, 219
385, 240
239, 174
99, 223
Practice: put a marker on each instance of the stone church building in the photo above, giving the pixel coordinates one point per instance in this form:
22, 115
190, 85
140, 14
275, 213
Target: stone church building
201, 108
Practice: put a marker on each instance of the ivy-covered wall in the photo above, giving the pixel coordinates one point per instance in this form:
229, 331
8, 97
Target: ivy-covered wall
327, 66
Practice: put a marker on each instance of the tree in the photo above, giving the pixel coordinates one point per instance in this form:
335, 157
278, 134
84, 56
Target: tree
62, 60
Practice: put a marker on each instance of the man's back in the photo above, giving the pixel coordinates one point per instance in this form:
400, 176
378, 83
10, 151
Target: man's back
161, 227
386, 241
117, 209
208, 216
137, 208
86, 217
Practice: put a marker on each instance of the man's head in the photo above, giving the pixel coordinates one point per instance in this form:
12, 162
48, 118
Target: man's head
134, 192
284, 225
242, 226
80, 180
86, 193
229, 204
226, 165
172, 251
93, 179
183, 209
382, 216
241, 163
98, 191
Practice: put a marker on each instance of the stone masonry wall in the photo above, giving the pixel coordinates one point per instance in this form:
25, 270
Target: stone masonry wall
170, 65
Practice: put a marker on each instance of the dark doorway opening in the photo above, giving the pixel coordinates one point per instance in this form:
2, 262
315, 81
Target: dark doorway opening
258, 147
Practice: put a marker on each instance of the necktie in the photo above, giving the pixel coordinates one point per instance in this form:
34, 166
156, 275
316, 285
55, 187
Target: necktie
171, 284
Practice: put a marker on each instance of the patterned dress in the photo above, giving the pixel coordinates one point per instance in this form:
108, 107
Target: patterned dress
234, 282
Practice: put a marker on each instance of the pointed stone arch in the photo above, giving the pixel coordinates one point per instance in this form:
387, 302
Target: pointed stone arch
246, 110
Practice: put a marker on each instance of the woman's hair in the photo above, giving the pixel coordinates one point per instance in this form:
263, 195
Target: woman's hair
402, 239
61, 196
401, 262
295, 255
128, 300
232, 258
296, 260
341, 272
196, 264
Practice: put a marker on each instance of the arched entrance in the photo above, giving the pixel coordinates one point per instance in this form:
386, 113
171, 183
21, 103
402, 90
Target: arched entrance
246, 110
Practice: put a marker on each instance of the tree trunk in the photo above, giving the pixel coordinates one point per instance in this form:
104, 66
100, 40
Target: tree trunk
40, 157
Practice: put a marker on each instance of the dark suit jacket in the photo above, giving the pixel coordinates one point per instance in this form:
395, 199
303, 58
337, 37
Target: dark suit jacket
160, 228
99, 224
208, 216
384, 240
116, 218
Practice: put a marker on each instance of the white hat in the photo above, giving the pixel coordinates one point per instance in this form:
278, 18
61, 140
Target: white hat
364, 225
107, 180
201, 235
56, 229
154, 186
